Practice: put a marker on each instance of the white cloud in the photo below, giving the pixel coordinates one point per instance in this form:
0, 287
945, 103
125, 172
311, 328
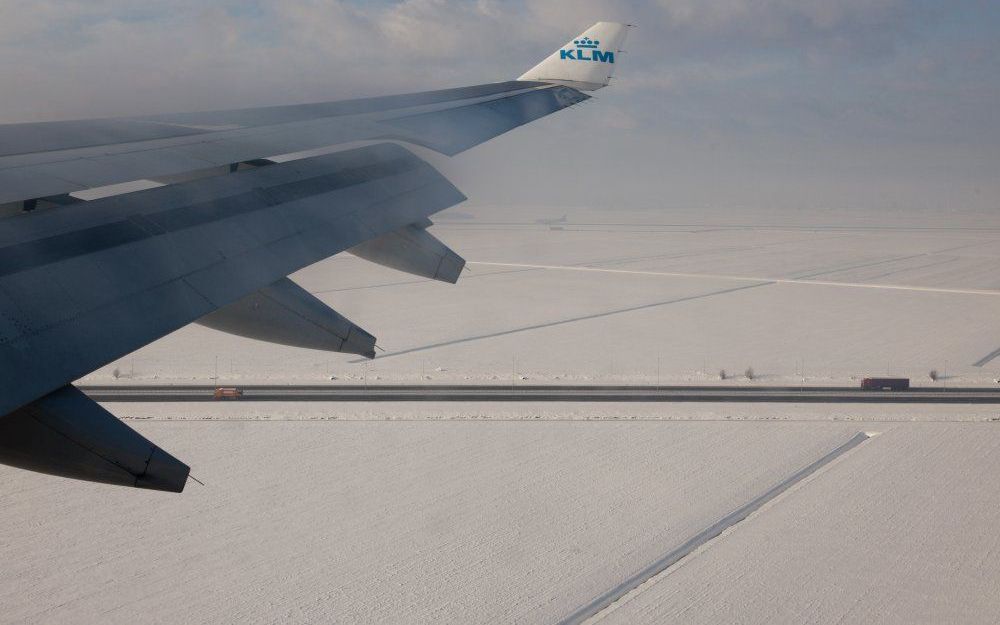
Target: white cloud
793, 76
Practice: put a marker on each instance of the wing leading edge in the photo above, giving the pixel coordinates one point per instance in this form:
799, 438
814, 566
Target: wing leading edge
449, 127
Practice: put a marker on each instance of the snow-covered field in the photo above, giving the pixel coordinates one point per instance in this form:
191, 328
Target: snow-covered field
901, 531
635, 297
551, 411
495, 521
520, 512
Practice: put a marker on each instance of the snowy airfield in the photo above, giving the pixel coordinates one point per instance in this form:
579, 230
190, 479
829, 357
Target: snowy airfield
633, 296
520, 512
498, 521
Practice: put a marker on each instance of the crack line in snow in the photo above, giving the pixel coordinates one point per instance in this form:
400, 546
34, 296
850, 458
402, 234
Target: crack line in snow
670, 274
538, 326
605, 601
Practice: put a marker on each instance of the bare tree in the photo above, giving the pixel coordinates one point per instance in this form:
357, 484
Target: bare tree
749, 373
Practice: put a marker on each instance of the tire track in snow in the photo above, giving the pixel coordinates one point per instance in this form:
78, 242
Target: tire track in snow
559, 322
712, 276
601, 603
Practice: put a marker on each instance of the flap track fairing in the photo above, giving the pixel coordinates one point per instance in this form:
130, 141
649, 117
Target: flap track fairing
414, 250
287, 314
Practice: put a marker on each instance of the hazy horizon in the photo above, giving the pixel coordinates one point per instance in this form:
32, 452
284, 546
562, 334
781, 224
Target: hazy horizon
882, 104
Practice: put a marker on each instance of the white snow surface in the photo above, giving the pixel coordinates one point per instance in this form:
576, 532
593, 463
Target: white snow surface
383, 522
616, 296
483, 513
521, 512
902, 530
551, 411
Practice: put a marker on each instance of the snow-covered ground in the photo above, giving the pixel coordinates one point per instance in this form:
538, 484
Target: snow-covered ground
901, 531
520, 512
487, 520
551, 411
636, 297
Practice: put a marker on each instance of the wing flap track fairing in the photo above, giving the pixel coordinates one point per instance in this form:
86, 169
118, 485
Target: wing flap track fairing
287, 314
414, 250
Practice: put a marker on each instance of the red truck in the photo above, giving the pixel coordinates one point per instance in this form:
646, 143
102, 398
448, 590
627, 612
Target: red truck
885, 384
228, 392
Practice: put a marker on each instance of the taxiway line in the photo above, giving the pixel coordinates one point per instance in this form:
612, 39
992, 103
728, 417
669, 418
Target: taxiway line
708, 534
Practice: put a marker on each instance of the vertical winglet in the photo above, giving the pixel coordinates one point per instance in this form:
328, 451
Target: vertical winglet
587, 62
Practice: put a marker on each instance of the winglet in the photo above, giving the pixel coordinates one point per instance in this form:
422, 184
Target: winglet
587, 62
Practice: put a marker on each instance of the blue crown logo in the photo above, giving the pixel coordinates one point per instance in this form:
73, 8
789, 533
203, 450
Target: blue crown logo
587, 49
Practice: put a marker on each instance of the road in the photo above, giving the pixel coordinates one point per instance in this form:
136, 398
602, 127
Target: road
507, 393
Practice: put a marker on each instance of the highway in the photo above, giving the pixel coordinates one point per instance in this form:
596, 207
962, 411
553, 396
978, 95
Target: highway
563, 393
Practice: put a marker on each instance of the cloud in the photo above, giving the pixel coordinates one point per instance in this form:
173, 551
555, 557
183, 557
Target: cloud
781, 20
117, 54
796, 77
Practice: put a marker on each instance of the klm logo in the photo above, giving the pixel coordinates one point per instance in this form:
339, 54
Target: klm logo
586, 50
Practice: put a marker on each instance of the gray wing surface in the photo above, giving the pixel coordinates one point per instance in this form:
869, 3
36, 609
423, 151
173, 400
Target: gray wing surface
54, 158
84, 283
79, 288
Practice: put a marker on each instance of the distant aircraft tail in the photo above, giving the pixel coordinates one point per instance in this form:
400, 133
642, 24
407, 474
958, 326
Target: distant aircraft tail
587, 62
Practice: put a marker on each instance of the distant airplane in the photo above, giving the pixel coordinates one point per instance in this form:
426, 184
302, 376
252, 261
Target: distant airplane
219, 225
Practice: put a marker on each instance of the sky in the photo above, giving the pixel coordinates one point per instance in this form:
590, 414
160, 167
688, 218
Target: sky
881, 105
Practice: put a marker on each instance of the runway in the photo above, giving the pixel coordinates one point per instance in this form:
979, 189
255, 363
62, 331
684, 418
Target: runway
554, 393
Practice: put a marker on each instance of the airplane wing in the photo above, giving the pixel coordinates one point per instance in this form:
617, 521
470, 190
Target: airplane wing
84, 283
75, 156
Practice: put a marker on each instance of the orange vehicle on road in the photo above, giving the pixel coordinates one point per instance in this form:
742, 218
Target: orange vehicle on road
228, 392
